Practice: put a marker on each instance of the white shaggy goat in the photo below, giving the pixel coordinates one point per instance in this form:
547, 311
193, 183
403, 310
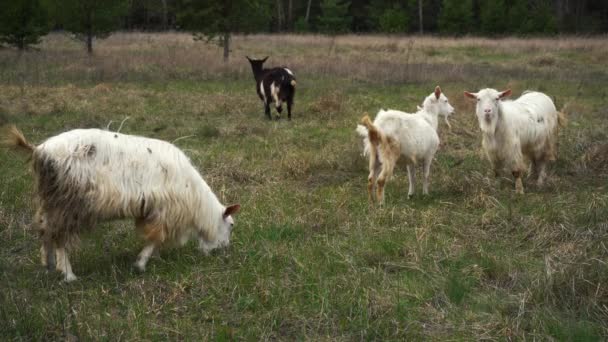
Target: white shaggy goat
396, 133
88, 175
512, 130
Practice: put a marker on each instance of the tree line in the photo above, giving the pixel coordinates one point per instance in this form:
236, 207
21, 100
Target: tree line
23, 22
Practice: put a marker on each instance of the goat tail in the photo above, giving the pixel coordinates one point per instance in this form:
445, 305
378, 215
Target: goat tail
362, 131
293, 83
375, 136
16, 140
562, 120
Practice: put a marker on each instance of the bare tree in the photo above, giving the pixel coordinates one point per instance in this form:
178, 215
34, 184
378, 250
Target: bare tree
165, 22
308, 11
420, 16
279, 15
290, 14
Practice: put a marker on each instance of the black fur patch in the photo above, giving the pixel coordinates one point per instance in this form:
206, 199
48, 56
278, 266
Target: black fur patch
64, 202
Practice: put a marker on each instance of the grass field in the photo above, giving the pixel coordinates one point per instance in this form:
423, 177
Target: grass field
309, 258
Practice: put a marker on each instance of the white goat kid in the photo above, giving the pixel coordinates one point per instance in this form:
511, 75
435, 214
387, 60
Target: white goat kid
512, 130
394, 133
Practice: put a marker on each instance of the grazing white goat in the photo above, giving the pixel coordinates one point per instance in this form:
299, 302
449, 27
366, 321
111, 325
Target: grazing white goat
512, 130
88, 175
394, 133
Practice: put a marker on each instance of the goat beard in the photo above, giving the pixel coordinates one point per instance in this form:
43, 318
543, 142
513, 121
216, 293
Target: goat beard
487, 126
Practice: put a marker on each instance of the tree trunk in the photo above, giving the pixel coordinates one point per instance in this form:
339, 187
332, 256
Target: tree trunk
308, 11
21, 70
420, 16
89, 43
165, 23
290, 15
227, 29
226, 43
580, 13
279, 15
89, 26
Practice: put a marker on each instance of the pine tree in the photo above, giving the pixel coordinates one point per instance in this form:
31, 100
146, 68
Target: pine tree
527, 17
216, 20
389, 16
456, 16
394, 20
89, 19
23, 22
493, 17
541, 18
334, 17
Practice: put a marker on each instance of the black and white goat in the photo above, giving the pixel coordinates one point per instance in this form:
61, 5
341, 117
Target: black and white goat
276, 85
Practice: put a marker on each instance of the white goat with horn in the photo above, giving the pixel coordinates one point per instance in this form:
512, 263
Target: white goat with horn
88, 175
512, 130
394, 133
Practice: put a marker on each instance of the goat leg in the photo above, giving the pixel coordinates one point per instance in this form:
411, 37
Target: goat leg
519, 185
267, 110
49, 248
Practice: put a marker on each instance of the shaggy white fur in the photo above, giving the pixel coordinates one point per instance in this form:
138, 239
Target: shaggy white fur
115, 176
512, 130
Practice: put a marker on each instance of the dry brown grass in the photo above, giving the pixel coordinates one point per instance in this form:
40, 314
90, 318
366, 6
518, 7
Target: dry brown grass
169, 56
596, 157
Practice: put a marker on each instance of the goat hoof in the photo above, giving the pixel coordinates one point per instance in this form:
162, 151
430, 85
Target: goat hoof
139, 267
70, 278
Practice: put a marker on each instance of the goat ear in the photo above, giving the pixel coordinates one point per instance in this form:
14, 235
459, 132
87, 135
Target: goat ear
505, 93
264, 59
437, 92
249, 59
470, 95
233, 209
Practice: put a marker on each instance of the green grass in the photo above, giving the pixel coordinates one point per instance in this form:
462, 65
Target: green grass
309, 259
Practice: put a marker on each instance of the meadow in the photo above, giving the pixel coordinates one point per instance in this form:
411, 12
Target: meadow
310, 259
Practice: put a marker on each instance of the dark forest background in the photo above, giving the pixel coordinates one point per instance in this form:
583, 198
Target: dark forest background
24, 22
488, 17
453, 17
